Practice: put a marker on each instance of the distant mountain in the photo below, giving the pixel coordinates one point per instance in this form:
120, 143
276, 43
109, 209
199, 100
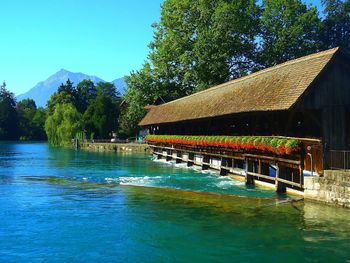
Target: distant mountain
42, 91
121, 85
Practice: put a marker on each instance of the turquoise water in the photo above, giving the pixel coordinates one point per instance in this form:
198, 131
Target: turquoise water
58, 205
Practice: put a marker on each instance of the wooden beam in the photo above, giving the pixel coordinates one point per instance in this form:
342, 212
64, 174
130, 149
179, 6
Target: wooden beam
262, 176
296, 162
288, 182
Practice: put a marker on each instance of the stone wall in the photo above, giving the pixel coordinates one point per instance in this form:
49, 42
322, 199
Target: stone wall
332, 188
115, 147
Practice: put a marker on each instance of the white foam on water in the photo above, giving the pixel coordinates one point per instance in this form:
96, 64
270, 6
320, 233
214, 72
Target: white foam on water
211, 172
161, 161
139, 181
111, 180
226, 184
196, 168
181, 165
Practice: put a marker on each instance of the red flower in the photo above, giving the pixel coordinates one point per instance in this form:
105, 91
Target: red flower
282, 149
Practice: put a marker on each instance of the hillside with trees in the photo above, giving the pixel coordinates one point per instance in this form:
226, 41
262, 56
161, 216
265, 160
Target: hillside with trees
87, 110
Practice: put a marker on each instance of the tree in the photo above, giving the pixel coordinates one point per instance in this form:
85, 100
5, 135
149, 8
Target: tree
59, 98
26, 110
63, 125
142, 89
8, 115
196, 44
67, 88
101, 116
336, 25
289, 29
38, 122
200, 43
225, 44
86, 93
108, 89
31, 120
66, 94
133, 111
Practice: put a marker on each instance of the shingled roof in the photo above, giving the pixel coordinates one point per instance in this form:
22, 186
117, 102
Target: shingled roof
271, 89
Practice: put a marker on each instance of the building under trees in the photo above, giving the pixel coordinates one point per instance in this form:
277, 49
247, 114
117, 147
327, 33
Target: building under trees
303, 103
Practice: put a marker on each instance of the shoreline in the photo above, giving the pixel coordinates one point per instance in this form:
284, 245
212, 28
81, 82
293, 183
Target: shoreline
115, 147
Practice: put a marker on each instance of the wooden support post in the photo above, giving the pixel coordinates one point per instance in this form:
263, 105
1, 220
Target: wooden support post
223, 172
250, 180
280, 187
205, 162
168, 156
249, 168
178, 160
191, 156
301, 177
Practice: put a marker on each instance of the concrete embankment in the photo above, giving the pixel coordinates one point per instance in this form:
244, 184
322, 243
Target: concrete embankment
115, 147
332, 188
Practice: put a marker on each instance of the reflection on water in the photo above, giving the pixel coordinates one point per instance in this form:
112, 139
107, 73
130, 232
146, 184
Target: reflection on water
58, 205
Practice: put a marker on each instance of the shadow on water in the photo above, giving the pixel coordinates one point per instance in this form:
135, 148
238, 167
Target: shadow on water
223, 203
312, 213
175, 223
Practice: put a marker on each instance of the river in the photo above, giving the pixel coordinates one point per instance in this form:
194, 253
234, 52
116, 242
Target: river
60, 205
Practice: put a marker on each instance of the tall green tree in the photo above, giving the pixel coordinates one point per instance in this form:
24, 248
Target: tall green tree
8, 115
59, 98
132, 111
62, 126
108, 89
225, 40
289, 29
26, 110
38, 122
101, 116
67, 88
196, 44
200, 43
85, 94
336, 25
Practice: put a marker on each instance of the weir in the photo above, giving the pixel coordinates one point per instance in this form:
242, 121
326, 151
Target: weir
281, 173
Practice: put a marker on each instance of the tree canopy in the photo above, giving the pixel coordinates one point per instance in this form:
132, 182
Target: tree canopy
289, 29
97, 107
101, 117
63, 125
31, 120
8, 115
200, 43
336, 26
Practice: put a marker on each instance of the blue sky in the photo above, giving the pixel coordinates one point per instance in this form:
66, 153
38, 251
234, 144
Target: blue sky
106, 38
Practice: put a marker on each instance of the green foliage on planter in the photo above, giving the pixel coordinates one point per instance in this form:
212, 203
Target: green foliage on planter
271, 144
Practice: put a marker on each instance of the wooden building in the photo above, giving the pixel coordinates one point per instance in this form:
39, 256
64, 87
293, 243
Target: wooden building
306, 98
